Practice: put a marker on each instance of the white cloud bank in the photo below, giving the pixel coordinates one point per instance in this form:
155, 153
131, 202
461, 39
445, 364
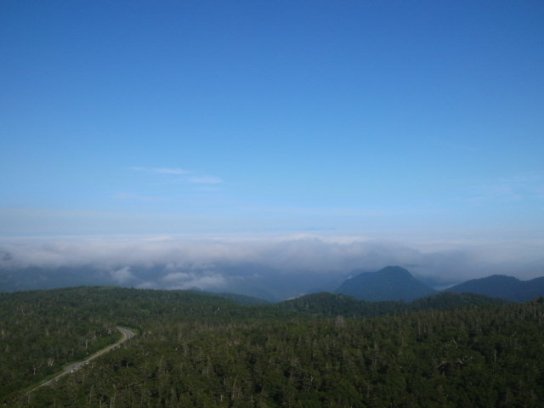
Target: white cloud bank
211, 263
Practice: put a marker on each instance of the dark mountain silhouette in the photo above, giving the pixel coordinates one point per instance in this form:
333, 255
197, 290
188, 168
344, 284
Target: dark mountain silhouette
502, 287
255, 281
389, 283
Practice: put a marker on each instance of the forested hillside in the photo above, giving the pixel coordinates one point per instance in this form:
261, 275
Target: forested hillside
326, 350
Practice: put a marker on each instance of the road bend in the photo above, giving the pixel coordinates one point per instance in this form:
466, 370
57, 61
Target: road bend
126, 334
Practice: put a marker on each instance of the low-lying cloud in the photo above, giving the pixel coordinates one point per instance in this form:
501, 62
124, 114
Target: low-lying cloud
267, 264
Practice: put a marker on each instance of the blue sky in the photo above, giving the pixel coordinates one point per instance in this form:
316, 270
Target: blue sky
374, 118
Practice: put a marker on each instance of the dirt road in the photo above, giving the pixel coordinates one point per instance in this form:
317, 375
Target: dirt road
73, 367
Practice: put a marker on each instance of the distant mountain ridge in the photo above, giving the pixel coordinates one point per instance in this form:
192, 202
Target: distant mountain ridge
251, 284
502, 287
391, 283
394, 283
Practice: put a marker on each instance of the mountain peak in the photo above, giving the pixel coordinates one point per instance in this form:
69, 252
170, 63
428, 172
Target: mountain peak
394, 271
389, 283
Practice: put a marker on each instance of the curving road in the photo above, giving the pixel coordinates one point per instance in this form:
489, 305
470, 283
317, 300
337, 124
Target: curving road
73, 367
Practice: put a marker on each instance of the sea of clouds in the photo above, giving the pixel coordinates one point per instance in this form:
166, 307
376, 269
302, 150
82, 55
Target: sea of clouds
300, 263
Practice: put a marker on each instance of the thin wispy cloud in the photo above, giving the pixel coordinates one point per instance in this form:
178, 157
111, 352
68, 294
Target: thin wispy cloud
173, 171
137, 197
188, 176
210, 180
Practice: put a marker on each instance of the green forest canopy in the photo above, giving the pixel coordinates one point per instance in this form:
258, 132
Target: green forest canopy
200, 350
